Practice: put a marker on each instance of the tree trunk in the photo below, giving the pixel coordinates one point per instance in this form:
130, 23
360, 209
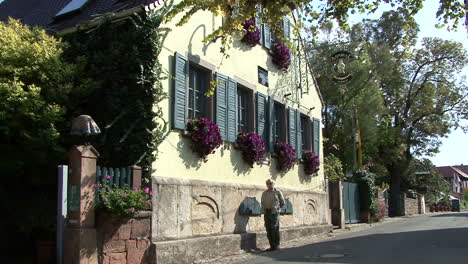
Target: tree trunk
395, 204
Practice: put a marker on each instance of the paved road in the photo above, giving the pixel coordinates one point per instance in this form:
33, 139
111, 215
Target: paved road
428, 239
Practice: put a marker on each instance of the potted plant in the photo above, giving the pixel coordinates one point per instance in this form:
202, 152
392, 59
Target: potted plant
252, 146
252, 35
122, 202
286, 156
281, 56
205, 136
311, 162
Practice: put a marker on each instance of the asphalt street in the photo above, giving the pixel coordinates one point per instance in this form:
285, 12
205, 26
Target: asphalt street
427, 239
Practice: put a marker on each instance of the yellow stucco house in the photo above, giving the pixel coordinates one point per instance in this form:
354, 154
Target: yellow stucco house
198, 202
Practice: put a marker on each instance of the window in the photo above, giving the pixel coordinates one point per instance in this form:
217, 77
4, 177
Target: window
192, 77
279, 123
262, 76
197, 88
305, 142
243, 109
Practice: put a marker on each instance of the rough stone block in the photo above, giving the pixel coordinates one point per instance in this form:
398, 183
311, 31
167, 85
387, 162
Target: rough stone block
106, 260
184, 220
141, 228
130, 244
135, 255
118, 258
124, 231
114, 246
232, 221
166, 215
142, 244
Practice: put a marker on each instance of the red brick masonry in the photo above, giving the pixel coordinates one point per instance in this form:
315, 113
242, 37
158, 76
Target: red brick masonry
124, 241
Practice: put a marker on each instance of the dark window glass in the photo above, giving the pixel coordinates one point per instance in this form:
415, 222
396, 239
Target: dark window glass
279, 123
262, 76
197, 86
304, 133
242, 110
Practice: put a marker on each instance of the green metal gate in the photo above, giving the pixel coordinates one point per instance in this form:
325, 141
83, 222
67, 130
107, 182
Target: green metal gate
351, 202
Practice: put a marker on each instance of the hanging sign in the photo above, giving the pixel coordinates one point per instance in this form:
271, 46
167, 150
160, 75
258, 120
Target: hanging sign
340, 61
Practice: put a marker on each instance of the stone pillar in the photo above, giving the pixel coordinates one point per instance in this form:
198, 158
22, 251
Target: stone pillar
136, 176
80, 245
421, 204
338, 212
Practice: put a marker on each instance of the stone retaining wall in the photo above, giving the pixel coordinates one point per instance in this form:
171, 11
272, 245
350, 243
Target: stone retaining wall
411, 206
125, 241
201, 208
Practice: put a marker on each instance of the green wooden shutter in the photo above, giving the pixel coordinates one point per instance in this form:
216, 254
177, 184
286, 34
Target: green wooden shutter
316, 136
286, 28
221, 104
299, 135
266, 36
262, 117
258, 23
292, 128
271, 123
180, 91
232, 110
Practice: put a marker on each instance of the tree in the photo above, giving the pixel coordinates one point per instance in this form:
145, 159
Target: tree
422, 94
238, 11
35, 87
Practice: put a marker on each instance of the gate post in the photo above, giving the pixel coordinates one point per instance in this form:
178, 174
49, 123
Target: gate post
80, 245
338, 212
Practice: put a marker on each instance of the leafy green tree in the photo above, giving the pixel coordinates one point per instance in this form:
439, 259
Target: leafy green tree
36, 90
422, 95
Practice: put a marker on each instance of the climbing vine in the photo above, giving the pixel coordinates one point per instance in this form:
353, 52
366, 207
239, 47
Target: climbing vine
121, 60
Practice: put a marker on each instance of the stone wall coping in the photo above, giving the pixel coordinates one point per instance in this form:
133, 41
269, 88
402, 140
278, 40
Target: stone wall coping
202, 183
143, 214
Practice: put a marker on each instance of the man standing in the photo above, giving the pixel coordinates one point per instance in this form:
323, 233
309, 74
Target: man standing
272, 202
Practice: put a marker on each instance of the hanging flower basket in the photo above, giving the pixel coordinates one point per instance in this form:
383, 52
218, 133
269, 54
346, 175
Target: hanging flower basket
281, 56
286, 156
252, 147
311, 162
205, 136
252, 37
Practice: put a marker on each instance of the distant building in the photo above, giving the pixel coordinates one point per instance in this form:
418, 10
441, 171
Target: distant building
456, 176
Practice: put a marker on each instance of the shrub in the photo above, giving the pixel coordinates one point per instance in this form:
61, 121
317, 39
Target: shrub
333, 168
286, 156
252, 147
281, 56
122, 202
311, 162
366, 181
205, 136
252, 37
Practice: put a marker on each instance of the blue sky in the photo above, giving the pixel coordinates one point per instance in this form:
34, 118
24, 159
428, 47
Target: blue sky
454, 149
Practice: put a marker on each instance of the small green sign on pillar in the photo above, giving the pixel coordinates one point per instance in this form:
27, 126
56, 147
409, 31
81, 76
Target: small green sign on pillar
74, 198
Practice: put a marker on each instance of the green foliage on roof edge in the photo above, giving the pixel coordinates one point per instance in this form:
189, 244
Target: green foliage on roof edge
122, 67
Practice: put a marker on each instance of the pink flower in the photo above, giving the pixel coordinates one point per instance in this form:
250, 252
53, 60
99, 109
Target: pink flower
147, 190
96, 186
124, 195
136, 189
104, 199
132, 209
147, 202
150, 193
108, 177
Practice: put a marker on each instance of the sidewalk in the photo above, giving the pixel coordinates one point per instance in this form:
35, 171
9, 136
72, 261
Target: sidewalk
306, 240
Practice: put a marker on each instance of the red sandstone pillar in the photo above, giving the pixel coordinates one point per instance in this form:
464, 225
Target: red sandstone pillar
80, 246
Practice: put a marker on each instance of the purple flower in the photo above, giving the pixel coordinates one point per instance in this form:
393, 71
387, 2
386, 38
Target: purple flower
96, 186
147, 190
205, 136
124, 195
108, 177
311, 162
281, 56
286, 156
252, 37
147, 202
104, 199
136, 189
150, 193
132, 210
252, 146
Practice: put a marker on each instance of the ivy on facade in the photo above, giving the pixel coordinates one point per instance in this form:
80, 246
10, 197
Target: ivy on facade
121, 63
